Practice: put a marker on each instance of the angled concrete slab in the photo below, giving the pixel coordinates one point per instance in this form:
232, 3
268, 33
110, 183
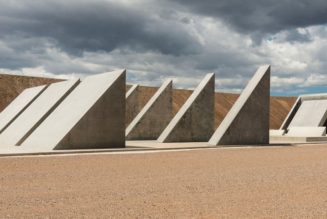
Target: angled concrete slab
311, 113
91, 116
307, 117
302, 131
154, 116
194, 122
18, 105
247, 122
276, 132
28, 120
132, 104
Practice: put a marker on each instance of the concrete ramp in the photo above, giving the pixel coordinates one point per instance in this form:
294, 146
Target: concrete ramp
303, 131
132, 104
18, 105
194, 122
154, 116
28, 120
247, 122
91, 116
312, 113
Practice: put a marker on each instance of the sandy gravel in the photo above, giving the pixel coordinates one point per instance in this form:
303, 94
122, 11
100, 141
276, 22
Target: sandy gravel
289, 182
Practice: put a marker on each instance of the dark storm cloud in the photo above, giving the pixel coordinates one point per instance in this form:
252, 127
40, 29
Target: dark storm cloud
296, 36
77, 26
262, 16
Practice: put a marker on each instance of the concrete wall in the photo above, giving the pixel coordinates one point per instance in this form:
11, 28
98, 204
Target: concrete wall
92, 116
18, 105
195, 120
154, 116
312, 113
28, 121
248, 120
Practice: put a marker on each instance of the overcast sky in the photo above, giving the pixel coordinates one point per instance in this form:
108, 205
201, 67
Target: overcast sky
181, 39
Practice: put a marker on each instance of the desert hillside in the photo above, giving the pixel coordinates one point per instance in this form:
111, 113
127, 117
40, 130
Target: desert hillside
12, 85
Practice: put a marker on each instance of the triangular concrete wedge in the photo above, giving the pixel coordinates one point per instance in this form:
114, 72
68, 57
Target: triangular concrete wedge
28, 121
247, 122
195, 120
132, 104
154, 116
91, 116
18, 105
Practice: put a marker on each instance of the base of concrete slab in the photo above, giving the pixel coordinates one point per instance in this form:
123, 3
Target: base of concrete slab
175, 145
148, 145
295, 139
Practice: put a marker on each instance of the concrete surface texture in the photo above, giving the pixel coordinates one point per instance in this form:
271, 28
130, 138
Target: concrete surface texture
91, 116
310, 113
194, 121
291, 140
270, 182
36, 112
247, 122
132, 104
154, 116
306, 131
18, 105
308, 110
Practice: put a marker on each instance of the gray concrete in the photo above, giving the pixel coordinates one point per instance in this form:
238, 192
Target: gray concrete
91, 116
296, 139
308, 111
132, 104
194, 122
303, 131
29, 120
154, 116
247, 122
311, 113
276, 132
18, 105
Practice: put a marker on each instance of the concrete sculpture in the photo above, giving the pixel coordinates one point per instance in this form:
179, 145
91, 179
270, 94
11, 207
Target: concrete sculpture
18, 105
154, 116
247, 122
91, 116
34, 115
310, 113
195, 120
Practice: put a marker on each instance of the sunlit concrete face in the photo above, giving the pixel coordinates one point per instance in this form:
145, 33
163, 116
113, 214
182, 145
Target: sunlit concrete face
307, 117
91, 116
311, 113
36, 112
194, 122
247, 122
18, 105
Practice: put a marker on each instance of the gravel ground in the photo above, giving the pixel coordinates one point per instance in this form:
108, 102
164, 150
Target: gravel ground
284, 182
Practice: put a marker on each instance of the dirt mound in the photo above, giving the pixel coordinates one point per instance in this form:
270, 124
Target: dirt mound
12, 85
